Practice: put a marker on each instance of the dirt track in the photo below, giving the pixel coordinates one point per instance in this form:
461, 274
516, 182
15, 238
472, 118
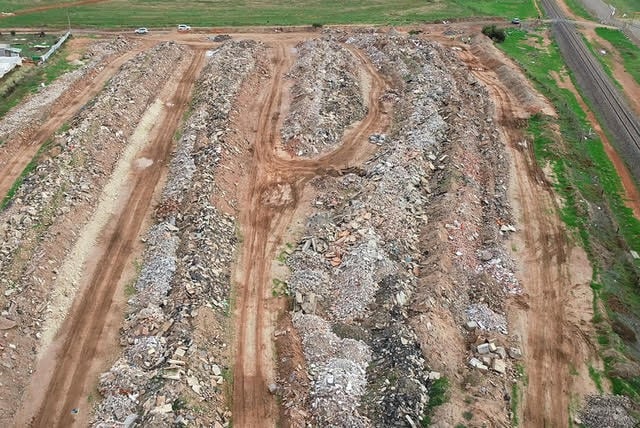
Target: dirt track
553, 317
16, 159
75, 352
274, 186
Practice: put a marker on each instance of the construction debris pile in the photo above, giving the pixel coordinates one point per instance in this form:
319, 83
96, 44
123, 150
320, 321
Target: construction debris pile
370, 253
611, 411
56, 198
169, 365
326, 97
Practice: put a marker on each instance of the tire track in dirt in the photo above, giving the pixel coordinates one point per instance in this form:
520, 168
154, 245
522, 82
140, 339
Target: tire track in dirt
17, 160
554, 315
273, 188
62, 379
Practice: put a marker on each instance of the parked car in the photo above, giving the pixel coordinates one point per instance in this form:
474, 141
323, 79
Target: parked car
515, 21
184, 27
141, 30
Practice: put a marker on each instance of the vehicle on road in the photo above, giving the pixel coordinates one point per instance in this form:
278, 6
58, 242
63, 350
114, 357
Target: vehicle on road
141, 30
515, 21
184, 27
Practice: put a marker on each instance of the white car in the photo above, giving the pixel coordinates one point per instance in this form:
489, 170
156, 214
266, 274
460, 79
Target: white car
184, 27
141, 30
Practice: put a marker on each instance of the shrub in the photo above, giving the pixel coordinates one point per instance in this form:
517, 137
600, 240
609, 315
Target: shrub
496, 34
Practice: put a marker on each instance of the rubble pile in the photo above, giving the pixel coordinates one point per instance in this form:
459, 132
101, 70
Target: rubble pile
364, 252
185, 278
25, 117
487, 354
370, 256
338, 367
80, 159
326, 97
614, 411
60, 194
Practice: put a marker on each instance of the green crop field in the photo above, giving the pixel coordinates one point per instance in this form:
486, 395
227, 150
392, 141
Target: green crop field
205, 13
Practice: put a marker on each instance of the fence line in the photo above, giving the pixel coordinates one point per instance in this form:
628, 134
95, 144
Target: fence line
55, 47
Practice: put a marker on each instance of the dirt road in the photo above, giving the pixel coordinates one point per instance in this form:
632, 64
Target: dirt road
272, 191
14, 160
65, 375
553, 317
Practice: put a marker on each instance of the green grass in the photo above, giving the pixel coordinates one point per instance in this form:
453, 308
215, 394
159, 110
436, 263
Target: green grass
595, 375
629, 52
438, 395
605, 60
24, 81
578, 9
279, 288
207, 13
593, 206
515, 404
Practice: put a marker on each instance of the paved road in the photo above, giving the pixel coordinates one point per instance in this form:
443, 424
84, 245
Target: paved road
619, 120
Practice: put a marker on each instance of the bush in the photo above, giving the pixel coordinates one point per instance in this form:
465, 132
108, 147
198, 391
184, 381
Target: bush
496, 34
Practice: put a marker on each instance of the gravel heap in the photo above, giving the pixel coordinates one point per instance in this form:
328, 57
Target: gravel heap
170, 375
326, 97
611, 411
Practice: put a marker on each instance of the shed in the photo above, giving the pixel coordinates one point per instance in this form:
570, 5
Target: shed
7, 50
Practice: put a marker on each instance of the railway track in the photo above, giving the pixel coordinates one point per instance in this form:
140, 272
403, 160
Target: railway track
619, 120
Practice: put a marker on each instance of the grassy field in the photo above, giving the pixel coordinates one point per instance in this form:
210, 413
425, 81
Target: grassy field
578, 8
593, 207
206, 13
625, 6
606, 59
629, 52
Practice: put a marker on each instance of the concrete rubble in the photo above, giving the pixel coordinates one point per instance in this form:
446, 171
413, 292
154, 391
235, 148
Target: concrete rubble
326, 97
40, 225
18, 122
360, 255
179, 365
614, 411
363, 256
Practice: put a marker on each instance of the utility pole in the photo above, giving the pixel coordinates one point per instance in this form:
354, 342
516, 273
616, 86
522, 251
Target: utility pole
68, 21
